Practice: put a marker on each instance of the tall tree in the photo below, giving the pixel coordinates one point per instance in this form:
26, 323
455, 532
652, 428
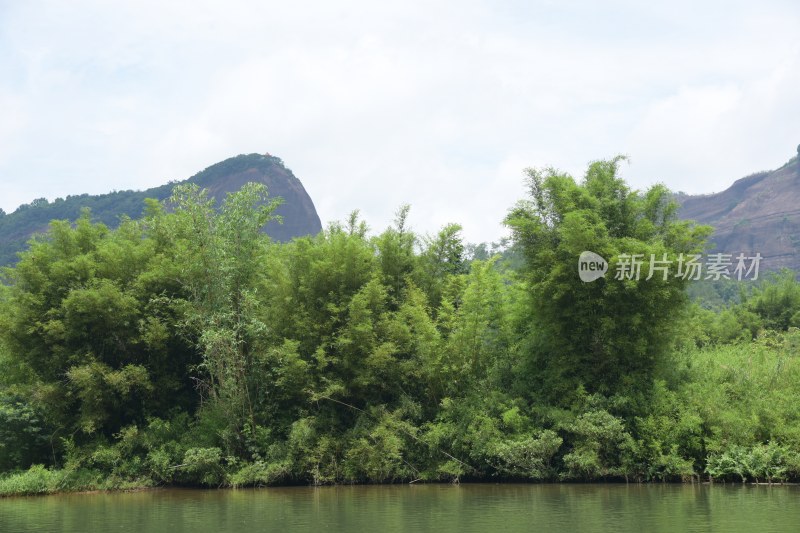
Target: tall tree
606, 336
222, 254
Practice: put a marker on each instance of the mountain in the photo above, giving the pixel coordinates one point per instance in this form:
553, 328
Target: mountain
298, 212
757, 214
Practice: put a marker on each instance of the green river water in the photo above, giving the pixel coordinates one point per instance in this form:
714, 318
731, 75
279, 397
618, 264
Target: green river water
441, 508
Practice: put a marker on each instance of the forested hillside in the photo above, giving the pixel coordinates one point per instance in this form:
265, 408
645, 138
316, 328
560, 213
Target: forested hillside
298, 216
187, 347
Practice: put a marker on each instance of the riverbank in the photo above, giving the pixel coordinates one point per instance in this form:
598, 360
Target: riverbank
40, 481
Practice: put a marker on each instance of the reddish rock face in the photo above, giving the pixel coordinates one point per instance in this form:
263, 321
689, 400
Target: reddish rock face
298, 212
759, 213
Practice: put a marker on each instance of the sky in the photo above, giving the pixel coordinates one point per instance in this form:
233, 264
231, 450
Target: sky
438, 104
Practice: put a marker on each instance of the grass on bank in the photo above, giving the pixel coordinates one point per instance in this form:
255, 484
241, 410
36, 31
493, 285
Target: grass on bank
41, 480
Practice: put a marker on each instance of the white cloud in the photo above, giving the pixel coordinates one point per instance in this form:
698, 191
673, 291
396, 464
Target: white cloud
439, 104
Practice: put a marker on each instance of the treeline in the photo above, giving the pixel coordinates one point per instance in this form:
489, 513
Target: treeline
187, 348
16, 227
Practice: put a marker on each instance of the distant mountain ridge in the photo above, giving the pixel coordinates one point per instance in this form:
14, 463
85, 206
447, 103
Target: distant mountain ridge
298, 211
757, 214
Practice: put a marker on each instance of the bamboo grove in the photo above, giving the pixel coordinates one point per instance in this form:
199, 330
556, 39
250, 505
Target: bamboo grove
188, 348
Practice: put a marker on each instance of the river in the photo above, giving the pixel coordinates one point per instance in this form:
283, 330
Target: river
468, 507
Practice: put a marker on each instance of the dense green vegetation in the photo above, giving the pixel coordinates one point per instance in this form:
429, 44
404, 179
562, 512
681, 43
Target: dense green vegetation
187, 348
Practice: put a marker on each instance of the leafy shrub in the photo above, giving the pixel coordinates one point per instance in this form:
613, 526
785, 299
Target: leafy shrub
204, 466
259, 474
529, 457
24, 436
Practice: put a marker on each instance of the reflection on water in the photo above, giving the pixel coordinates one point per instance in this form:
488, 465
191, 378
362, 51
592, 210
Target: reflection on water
479, 507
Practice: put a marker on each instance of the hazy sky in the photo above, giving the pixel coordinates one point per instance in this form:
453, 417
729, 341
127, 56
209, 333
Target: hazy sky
374, 104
